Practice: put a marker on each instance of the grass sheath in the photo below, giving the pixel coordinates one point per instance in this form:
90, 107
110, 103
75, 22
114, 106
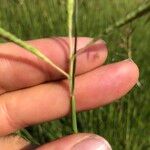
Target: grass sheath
5, 34
72, 9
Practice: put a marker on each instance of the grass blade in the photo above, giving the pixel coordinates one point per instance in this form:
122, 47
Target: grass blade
5, 34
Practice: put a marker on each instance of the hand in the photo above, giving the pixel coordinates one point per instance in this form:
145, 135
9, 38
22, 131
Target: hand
33, 92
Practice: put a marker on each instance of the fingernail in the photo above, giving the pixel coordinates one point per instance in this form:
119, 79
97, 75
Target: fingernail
92, 143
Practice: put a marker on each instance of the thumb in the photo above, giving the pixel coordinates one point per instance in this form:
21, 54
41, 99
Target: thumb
81, 141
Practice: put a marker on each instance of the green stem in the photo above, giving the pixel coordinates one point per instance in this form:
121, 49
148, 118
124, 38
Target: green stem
139, 12
71, 6
5, 34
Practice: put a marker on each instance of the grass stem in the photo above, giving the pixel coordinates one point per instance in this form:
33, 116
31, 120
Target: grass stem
71, 9
139, 12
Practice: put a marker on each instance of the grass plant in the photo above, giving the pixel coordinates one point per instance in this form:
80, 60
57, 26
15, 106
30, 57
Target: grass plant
123, 123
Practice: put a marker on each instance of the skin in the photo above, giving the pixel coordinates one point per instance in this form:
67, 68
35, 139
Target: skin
29, 87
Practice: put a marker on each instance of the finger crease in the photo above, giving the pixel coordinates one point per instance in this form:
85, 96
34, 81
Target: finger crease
8, 119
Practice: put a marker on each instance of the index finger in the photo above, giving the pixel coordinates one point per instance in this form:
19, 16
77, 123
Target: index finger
20, 69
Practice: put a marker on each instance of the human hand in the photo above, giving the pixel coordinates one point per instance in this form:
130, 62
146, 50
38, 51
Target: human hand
33, 92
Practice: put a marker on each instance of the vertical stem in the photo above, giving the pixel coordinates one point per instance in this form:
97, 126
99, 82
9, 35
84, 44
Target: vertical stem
71, 7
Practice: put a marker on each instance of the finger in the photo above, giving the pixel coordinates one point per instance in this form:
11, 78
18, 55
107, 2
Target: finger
50, 101
81, 141
13, 142
20, 69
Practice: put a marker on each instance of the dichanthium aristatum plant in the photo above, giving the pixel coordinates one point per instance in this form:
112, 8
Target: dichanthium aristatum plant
72, 32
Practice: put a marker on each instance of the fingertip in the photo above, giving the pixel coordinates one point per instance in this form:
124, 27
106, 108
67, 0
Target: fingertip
130, 70
78, 141
91, 57
84, 41
92, 142
106, 84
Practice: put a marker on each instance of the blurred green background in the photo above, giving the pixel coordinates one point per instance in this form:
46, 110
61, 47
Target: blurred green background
125, 124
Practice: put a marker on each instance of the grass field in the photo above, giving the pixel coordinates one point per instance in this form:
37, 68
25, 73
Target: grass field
125, 124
